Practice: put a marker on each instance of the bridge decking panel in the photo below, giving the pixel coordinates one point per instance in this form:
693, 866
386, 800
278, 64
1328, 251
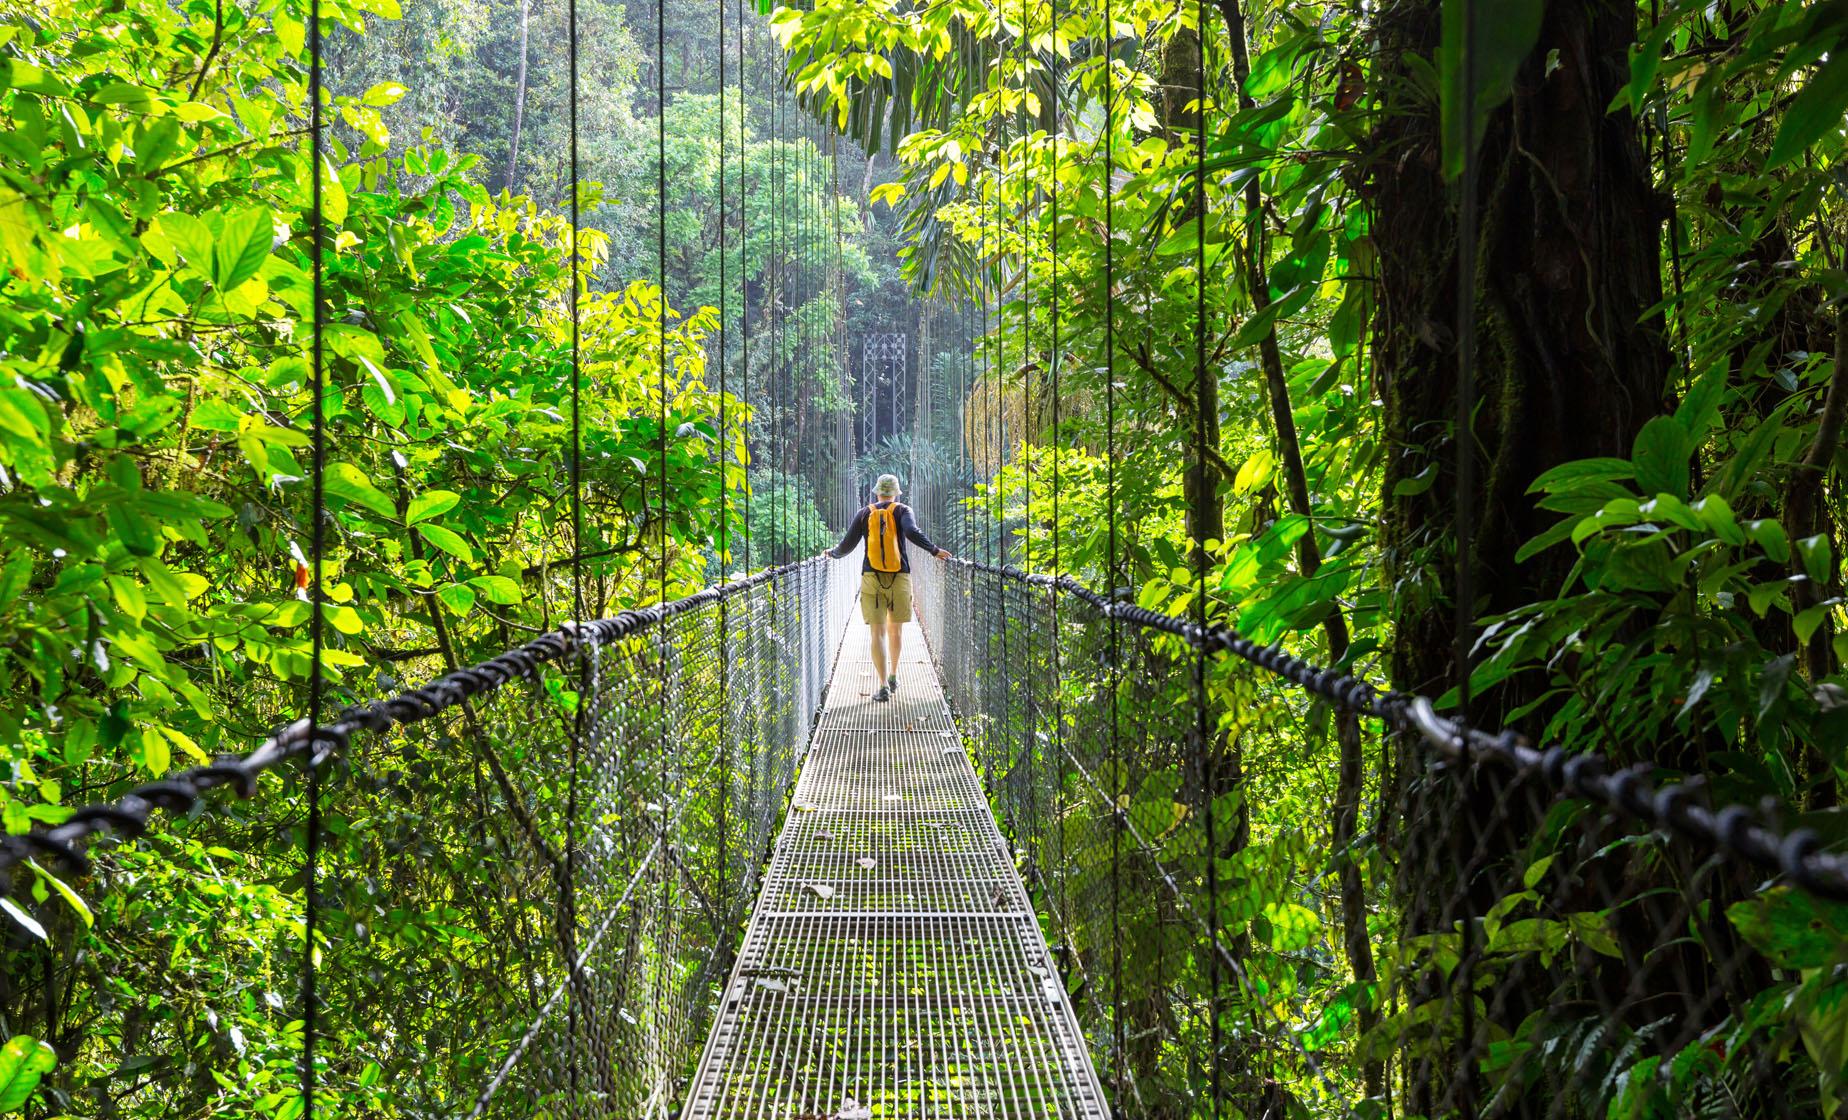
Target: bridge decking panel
894, 966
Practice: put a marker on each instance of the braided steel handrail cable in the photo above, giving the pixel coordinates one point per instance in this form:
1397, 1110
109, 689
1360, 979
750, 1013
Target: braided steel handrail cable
130, 814
1674, 806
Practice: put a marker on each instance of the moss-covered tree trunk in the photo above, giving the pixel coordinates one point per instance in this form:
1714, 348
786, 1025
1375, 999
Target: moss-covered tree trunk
1570, 364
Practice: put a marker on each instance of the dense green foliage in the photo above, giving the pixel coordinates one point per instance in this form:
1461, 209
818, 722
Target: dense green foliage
1659, 534
155, 208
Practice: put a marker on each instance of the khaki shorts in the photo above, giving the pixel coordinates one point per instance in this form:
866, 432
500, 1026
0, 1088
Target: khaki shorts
885, 597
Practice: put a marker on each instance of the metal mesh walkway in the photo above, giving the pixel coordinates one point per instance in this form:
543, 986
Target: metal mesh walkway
894, 966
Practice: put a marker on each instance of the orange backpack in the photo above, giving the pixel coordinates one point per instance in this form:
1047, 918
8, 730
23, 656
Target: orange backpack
882, 538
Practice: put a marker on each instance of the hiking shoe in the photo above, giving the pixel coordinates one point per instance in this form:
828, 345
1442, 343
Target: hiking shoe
882, 695
892, 684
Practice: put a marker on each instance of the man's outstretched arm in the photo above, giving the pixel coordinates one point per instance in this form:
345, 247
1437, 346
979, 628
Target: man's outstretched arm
855, 531
908, 525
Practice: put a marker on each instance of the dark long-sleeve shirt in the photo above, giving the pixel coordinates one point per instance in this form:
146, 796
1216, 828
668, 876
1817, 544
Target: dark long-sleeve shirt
907, 531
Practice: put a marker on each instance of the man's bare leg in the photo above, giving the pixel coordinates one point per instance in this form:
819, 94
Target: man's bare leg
894, 635
876, 633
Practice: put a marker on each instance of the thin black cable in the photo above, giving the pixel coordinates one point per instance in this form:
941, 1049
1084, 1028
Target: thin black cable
1118, 1040
1058, 358
743, 255
578, 612
317, 550
723, 936
1466, 507
1208, 762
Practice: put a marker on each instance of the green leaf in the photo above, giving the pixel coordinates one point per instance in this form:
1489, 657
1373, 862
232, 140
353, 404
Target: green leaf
1791, 928
1503, 33
1661, 454
431, 503
385, 93
15, 74
346, 481
1814, 113
1816, 555
1769, 535
456, 598
64, 891
1573, 475
450, 542
17, 412
19, 915
498, 589
242, 246
191, 237
24, 1061
333, 195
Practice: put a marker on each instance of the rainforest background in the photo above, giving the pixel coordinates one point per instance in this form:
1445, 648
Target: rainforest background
1216, 320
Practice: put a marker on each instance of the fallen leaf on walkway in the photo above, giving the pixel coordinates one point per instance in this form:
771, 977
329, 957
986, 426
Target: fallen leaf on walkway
894, 797
867, 862
803, 807
823, 834
952, 750
821, 890
853, 1110
772, 985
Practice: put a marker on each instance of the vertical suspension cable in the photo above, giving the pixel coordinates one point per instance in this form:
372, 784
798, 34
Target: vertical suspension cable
1026, 398
1110, 549
744, 271
779, 336
722, 936
660, 635
317, 547
1466, 504
1207, 762
578, 613
1060, 902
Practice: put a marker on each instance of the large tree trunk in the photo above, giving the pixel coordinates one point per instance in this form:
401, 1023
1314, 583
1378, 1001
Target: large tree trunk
1568, 367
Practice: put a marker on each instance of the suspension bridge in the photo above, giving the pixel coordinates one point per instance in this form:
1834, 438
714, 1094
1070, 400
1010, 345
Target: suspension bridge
990, 897
713, 878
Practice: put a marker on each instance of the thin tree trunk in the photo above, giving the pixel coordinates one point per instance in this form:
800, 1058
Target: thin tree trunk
1350, 768
519, 99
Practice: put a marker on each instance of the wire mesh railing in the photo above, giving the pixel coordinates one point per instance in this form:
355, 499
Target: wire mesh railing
1504, 931
546, 859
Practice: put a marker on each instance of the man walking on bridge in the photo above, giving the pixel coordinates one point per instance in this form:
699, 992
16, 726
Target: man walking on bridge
885, 574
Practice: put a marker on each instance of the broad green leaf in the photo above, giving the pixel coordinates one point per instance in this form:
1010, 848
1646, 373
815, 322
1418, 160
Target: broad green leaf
498, 589
385, 93
456, 598
431, 503
242, 246
1661, 456
333, 196
31, 925
1571, 475
1769, 535
451, 542
348, 482
19, 74
1792, 928
24, 1061
65, 892
1814, 113
191, 237
1503, 33
1816, 555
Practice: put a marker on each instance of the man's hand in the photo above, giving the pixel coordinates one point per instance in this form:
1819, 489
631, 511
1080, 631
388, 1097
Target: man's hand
943, 554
